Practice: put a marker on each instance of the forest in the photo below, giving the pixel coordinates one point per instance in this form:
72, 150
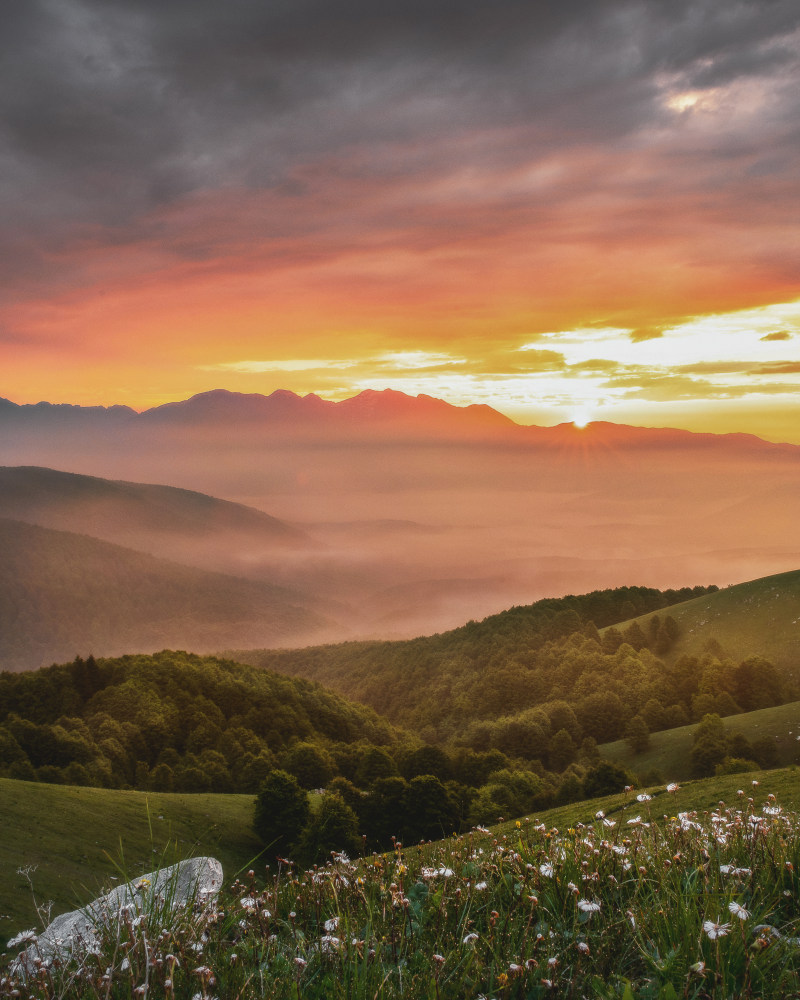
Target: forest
493, 719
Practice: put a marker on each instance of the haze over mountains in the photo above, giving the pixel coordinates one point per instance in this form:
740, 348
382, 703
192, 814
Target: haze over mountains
415, 514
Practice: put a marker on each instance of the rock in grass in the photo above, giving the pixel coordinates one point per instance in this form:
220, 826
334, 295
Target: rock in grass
195, 882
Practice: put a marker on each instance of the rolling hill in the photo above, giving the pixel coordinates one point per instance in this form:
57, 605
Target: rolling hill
760, 617
45, 831
63, 593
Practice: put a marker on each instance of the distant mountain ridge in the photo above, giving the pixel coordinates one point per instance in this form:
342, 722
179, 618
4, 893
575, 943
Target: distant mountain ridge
371, 409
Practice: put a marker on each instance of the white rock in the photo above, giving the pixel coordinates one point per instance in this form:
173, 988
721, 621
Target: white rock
193, 882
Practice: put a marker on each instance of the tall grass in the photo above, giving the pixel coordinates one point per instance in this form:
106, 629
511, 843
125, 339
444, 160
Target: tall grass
694, 906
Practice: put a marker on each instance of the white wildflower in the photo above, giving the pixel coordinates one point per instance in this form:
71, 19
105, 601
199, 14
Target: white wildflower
738, 910
715, 930
547, 870
22, 938
588, 906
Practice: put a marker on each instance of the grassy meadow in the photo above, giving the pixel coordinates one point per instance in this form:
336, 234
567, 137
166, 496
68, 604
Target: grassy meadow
74, 840
757, 618
660, 894
668, 751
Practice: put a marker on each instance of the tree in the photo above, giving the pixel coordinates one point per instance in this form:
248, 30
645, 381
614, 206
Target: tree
612, 640
281, 812
312, 766
562, 751
383, 811
637, 734
427, 760
430, 811
375, 763
333, 828
634, 636
710, 746
605, 778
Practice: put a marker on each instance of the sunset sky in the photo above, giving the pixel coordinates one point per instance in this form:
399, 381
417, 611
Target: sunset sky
574, 210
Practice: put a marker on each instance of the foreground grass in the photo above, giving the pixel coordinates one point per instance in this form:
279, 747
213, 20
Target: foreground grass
700, 904
74, 840
669, 751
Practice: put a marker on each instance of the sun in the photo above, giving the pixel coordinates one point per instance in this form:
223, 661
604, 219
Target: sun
582, 416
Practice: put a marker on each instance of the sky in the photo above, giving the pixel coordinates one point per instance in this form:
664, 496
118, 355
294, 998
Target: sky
579, 210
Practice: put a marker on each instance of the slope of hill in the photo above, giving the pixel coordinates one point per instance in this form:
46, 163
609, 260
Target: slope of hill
118, 511
175, 721
63, 593
73, 842
757, 618
669, 751
502, 665
45, 831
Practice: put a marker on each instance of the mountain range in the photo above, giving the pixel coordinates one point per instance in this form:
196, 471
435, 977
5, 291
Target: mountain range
396, 515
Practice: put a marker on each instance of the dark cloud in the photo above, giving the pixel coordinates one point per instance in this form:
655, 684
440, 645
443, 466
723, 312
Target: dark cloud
777, 335
111, 113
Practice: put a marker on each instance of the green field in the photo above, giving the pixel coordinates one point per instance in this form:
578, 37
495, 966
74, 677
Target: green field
757, 618
669, 750
74, 840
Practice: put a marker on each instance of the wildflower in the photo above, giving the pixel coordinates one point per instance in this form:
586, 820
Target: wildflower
715, 930
547, 870
643, 797
514, 969
248, 902
552, 962
698, 967
588, 906
599, 814
738, 910
472, 936
331, 924
480, 886
22, 938
636, 821
673, 787
583, 947
439, 959
329, 943
301, 963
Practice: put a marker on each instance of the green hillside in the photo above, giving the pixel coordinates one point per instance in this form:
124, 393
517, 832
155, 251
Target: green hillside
178, 722
668, 752
504, 664
760, 617
73, 839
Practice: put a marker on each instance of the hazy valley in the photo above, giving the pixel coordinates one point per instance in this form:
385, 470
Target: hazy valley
402, 516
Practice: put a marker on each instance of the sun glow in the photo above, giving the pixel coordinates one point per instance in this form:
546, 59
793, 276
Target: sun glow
582, 416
